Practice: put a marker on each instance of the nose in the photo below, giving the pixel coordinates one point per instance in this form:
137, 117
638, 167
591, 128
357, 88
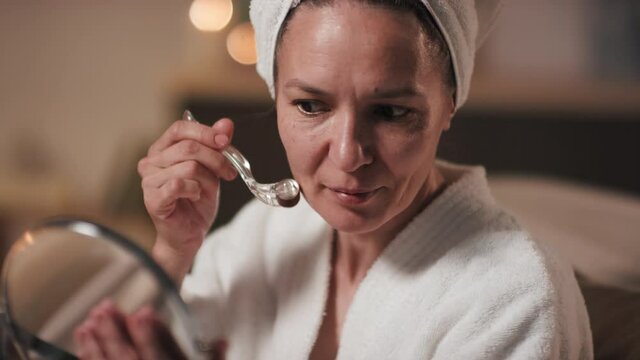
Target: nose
351, 142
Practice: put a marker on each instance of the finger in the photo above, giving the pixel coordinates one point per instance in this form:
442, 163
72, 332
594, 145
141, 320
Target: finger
103, 304
162, 200
219, 350
85, 337
225, 128
190, 170
216, 137
143, 338
151, 337
174, 189
113, 336
188, 150
85, 344
89, 347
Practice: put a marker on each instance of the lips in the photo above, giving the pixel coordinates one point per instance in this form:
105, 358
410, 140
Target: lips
352, 196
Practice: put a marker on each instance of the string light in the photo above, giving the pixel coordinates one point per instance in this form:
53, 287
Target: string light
241, 44
210, 15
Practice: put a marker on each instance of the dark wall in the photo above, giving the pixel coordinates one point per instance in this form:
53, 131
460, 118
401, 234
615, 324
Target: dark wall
597, 149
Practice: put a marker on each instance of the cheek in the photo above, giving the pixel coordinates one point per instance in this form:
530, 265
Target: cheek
408, 157
300, 146
289, 140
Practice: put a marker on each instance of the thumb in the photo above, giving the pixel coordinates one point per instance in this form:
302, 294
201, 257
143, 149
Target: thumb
223, 129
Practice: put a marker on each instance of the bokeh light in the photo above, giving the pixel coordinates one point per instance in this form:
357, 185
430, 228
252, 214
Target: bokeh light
241, 44
210, 15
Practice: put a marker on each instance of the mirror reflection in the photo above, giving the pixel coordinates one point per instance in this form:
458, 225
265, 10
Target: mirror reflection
57, 273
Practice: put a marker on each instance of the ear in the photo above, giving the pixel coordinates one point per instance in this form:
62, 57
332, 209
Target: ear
451, 109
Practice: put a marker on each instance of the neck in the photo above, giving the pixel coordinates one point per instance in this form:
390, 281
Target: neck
354, 254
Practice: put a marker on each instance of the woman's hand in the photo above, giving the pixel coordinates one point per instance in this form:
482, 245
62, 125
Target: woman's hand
180, 180
109, 334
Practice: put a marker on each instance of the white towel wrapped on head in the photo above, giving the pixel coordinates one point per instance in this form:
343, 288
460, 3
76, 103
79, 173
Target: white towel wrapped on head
464, 25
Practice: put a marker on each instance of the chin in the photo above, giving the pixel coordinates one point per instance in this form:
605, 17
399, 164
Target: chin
349, 220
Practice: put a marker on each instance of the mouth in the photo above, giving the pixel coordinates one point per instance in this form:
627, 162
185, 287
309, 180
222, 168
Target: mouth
353, 196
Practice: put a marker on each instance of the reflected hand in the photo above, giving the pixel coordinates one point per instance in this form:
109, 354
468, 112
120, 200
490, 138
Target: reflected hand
107, 333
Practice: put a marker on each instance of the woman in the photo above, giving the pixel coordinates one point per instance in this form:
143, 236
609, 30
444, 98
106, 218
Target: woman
391, 254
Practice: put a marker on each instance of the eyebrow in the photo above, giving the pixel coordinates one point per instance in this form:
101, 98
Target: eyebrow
408, 91
396, 93
297, 83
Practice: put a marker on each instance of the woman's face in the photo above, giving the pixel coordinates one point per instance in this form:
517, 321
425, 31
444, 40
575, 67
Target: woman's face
361, 106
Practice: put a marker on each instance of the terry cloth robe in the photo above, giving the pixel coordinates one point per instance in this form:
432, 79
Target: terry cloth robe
461, 281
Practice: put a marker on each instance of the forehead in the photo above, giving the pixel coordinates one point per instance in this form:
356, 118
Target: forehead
347, 38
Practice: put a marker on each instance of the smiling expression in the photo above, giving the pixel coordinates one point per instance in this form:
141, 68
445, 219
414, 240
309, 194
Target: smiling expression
361, 106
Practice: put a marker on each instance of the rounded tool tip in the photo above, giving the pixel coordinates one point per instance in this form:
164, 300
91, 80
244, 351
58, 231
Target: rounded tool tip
288, 202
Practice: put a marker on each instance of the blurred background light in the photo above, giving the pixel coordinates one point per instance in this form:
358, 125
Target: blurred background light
210, 15
241, 44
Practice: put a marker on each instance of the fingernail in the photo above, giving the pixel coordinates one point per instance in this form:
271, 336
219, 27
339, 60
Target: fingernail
231, 174
221, 140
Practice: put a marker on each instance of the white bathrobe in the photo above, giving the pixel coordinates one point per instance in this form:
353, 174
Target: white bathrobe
461, 281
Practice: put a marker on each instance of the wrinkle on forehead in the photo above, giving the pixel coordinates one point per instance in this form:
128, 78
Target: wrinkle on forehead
348, 40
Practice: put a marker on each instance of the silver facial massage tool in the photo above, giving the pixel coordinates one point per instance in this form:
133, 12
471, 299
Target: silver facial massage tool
285, 193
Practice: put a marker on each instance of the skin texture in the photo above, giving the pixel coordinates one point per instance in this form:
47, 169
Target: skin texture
107, 333
180, 180
361, 108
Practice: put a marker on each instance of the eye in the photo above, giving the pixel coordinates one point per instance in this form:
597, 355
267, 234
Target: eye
391, 111
311, 107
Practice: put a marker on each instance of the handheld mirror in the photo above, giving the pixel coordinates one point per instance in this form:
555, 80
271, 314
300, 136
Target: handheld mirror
57, 272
